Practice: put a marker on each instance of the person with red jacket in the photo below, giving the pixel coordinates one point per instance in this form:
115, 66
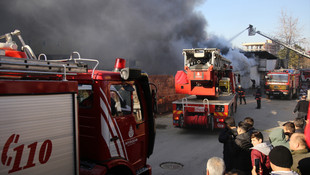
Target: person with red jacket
260, 151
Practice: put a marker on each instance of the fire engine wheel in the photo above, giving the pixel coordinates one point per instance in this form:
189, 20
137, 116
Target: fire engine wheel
181, 121
297, 94
211, 123
290, 95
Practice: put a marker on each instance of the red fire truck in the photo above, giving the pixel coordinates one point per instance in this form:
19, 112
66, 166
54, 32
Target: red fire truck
210, 84
283, 82
59, 117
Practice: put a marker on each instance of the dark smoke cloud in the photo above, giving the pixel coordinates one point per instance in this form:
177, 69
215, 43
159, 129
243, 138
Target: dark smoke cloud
241, 64
149, 33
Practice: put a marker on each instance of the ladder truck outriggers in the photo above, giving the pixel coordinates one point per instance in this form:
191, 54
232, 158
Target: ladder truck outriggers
59, 117
210, 84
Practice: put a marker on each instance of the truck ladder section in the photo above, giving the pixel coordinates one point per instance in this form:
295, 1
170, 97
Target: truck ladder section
252, 32
33, 65
65, 67
203, 58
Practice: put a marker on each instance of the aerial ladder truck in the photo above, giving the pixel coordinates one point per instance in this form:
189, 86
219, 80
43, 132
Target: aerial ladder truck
291, 82
210, 84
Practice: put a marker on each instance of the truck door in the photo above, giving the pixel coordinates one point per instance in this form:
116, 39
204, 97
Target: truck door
126, 110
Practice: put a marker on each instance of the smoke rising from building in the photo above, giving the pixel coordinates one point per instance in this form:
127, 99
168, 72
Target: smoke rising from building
241, 64
149, 34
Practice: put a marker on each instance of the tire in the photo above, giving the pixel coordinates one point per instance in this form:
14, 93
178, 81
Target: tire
290, 95
297, 93
181, 121
211, 123
232, 112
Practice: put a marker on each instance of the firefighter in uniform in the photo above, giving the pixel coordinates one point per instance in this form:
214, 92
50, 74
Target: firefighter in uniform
258, 97
241, 94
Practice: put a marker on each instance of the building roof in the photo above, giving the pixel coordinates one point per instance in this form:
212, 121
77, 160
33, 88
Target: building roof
253, 44
260, 54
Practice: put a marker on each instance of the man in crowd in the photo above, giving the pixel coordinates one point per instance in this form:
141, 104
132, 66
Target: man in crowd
241, 149
281, 161
215, 166
299, 125
260, 152
300, 153
277, 138
289, 129
250, 122
227, 137
302, 107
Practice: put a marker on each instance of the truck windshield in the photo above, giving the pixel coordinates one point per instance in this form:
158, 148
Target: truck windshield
277, 78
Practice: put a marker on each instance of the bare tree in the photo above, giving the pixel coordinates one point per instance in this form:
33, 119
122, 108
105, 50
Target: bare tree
289, 32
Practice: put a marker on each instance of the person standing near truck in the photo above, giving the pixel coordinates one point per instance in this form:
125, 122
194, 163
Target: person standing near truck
258, 98
241, 94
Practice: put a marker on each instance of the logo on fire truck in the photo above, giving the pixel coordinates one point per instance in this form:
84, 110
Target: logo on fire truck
131, 132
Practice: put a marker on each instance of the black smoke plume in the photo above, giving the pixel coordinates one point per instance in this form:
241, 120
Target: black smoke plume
149, 34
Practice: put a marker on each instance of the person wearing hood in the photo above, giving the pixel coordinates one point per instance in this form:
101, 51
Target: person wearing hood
260, 151
241, 149
227, 137
277, 138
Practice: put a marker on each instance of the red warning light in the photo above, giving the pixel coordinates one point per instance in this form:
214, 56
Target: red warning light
120, 63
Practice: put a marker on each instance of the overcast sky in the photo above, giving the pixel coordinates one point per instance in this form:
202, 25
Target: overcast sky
227, 18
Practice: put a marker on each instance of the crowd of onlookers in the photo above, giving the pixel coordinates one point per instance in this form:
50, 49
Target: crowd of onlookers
246, 152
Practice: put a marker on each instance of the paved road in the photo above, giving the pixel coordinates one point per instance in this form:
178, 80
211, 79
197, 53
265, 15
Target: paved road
191, 148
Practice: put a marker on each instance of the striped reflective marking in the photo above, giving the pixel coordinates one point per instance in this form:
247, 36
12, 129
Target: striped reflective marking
177, 112
108, 124
220, 114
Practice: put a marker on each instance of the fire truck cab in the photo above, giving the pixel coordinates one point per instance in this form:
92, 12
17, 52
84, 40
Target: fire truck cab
116, 120
60, 117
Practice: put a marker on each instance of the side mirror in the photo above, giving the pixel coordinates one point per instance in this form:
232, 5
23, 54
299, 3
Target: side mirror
154, 99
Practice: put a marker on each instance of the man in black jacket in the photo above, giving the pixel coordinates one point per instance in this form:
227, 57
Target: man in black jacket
227, 137
302, 107
241, 149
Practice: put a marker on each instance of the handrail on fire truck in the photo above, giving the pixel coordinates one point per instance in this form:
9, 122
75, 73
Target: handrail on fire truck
204, 102
34, 65
80, 59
